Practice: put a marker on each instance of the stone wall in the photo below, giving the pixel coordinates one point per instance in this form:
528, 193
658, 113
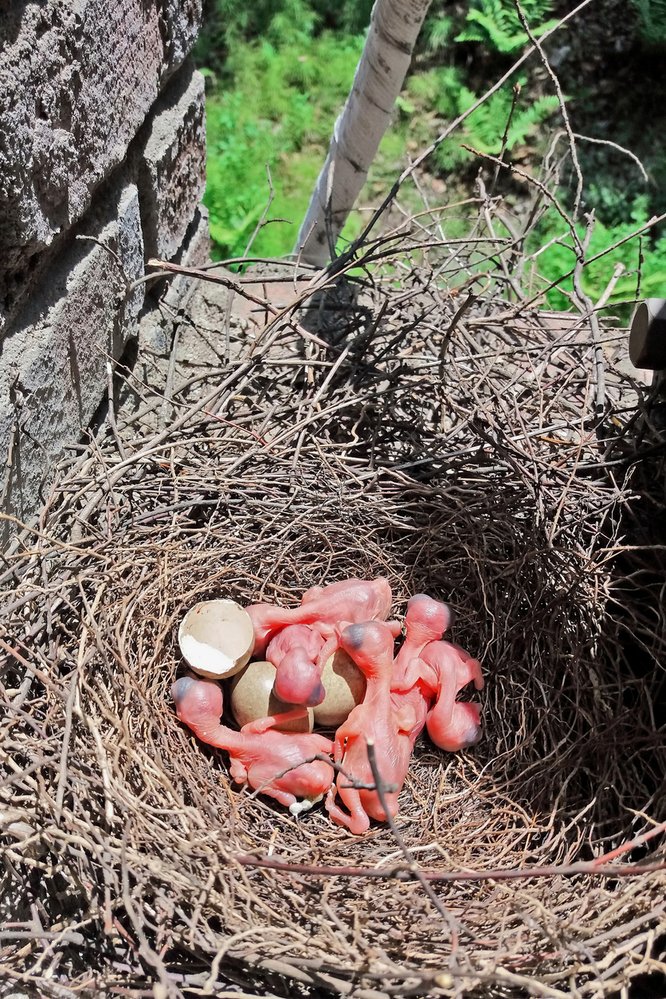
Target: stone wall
102, 166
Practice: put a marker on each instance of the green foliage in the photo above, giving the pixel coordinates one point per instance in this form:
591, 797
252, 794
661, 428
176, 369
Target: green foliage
652, 20
559, 258
234, 191
279, 22
437, 32
283, 123
614, 205
495, 23
350, 17
279, 114
506, 118
273, 103
230, 24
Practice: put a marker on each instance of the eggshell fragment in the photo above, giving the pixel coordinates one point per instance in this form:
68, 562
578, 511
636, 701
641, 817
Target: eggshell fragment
252, 697
216, 638
345, 688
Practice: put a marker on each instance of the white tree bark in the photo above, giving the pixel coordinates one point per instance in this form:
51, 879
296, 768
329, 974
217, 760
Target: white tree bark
394, 28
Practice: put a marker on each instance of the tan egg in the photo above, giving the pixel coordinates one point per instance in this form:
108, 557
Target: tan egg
252, 698
345, 688
216, 637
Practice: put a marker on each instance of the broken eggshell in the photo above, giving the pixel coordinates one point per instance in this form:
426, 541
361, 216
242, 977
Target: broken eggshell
252, 697
216, 638
345, 688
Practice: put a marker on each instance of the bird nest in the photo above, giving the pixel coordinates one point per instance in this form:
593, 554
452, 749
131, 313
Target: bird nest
466, 449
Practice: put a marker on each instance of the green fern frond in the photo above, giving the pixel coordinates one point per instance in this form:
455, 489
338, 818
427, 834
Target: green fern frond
438, 33
484, 130
529, 119
485, 29
652, 20
496, 23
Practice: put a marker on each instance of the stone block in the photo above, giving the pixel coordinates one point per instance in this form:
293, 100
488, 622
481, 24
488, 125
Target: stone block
181, 20
53, 368
172, 169
77, 81
173, 293
195, 252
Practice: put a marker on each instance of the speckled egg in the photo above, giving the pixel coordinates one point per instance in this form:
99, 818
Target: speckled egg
252, 698
345, 688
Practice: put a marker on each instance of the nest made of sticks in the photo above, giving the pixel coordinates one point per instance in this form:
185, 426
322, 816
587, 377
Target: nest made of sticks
458, 447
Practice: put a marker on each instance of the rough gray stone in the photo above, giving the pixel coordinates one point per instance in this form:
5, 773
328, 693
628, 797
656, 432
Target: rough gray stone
197, 344
54, 361
182, 21
174, 293
172, 171
195, 252
77, 80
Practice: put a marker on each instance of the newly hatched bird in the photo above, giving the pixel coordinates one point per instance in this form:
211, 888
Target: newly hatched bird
452, 724
294, 652
279, 764
426, 620
391, 723
327, 610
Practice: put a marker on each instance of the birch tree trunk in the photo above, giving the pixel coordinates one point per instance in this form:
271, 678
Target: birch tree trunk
394, 28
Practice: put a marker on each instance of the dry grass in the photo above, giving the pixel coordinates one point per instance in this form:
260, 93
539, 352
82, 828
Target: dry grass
466, 452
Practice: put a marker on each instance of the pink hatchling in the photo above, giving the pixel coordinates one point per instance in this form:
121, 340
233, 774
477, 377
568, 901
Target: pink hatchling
426, 621
451, 724
259, 753
328, 610
293, 652
391, 722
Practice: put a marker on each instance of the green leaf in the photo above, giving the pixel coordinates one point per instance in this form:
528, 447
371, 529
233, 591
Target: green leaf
652, 19
529, 119
404, 105
438, 33
495, 23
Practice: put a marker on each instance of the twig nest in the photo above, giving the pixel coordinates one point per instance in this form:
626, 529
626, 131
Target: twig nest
345, 688
252, 697
216, 637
